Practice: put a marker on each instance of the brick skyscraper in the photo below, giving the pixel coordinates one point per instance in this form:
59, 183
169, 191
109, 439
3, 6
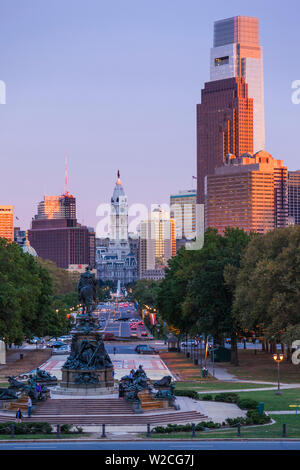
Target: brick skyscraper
56, 235
224, 125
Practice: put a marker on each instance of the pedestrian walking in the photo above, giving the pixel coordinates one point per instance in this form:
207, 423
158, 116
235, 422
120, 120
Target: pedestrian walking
19, 416
38, 389
115, 350
29, 406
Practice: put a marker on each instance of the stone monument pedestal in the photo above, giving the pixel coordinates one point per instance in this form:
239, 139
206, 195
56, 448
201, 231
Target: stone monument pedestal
103, 376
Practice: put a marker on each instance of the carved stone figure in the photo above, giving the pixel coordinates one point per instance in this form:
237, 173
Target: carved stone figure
164, 382
88, 378
7, 394
165, 394
87, 287
91, 355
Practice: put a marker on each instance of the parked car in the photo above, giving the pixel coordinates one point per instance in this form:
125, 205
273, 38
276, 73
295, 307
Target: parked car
145, 349
144, 333
189, 342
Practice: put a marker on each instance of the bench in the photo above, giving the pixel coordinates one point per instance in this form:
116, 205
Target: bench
295, 406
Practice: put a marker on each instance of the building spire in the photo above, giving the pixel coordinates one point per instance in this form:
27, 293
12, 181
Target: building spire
118, 180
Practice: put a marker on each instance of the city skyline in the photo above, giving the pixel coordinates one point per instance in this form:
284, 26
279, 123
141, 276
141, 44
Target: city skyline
130, 104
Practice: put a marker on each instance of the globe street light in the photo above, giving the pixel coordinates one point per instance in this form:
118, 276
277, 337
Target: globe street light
278, 358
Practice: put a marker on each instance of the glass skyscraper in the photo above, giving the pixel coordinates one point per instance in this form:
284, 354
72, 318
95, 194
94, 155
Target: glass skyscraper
237, 53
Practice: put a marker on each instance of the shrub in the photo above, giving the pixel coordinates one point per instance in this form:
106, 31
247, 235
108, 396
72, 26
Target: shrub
227, 397
254, 417
233, 422
26, 428
206, 397
247, 403
187, 393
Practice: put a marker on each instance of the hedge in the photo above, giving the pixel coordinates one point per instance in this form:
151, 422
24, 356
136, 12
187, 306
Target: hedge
252, 417
26, 428
187, 393
227, 397
247, 403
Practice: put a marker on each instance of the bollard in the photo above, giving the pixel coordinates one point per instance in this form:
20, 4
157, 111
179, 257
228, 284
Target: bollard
58, 431
12, 432
103, 435
239, 430
193, 430
148, 430
284, 430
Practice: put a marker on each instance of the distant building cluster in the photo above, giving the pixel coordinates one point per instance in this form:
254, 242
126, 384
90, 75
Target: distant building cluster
239, 183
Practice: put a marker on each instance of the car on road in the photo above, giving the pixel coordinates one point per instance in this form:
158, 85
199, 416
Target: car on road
66, 349
34, 340
56, 344
144, 333
145, 349
188, 343
65, 338
108, 336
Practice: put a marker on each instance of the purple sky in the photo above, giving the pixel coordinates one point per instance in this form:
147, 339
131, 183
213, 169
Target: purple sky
114, 85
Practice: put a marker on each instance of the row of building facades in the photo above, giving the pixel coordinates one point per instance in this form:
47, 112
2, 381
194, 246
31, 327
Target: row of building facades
239, 183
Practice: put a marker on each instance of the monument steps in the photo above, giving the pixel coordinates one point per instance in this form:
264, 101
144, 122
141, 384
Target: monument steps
83, 407
128, 420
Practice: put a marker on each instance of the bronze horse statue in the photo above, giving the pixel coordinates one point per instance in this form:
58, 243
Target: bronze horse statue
87, 288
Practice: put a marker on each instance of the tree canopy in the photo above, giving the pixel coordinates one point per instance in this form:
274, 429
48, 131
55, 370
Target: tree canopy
26, 296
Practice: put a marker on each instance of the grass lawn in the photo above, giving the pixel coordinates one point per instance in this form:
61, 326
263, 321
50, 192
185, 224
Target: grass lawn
261, 366
275, 402
268, 432
216, 385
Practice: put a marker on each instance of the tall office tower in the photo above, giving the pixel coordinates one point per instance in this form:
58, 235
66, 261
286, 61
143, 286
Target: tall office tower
157, 243
249, 192
183, 211
294, 196
224, 125
237, 53
118, 242
56, 235
7, 222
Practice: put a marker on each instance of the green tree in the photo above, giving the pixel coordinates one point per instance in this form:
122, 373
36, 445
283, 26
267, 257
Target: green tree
268, 283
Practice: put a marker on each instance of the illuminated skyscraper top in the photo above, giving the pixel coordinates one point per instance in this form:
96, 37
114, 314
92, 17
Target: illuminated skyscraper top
237, 53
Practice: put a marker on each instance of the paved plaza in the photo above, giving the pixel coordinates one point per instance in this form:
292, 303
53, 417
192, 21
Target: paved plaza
154, 367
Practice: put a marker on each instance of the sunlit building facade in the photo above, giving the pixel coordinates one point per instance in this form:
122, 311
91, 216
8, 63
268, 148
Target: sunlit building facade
224, 125
248, 192
56, 235
7, 222
231, 117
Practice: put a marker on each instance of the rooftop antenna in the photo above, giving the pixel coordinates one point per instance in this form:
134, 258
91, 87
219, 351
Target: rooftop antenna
66, 192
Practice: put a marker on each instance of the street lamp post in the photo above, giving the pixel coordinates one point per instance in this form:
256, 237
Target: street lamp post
278, 358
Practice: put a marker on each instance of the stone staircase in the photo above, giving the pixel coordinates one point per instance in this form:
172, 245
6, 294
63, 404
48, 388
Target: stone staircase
83, 407
110, 411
